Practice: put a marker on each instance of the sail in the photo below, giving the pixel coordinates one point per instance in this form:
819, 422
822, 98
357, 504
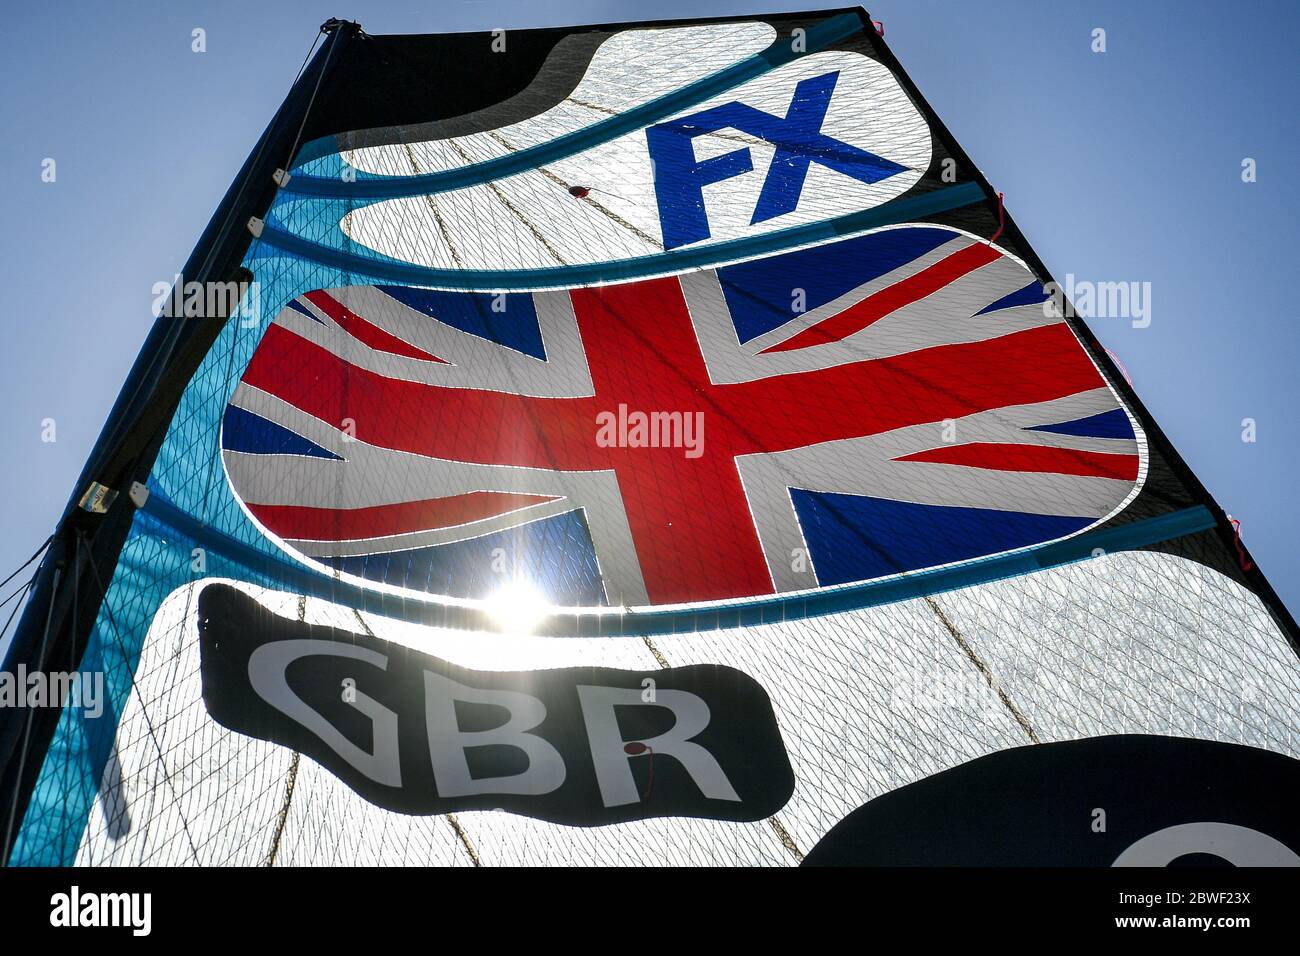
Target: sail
633, 444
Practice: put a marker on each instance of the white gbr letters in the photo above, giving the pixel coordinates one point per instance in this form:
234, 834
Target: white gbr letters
416, 734
545, 771
266, 674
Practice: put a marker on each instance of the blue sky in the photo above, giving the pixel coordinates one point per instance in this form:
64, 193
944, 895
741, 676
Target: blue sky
1122, 166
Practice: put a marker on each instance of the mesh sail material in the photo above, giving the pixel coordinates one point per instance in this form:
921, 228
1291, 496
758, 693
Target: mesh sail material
438, 287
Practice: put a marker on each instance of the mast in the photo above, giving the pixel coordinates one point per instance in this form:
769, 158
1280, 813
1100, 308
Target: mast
83, 553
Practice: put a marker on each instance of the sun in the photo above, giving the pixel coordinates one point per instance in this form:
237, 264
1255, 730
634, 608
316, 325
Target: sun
517, 607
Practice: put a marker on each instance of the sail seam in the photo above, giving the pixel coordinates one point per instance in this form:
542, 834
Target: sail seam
774, 821
784, 835
514, 210
433, 208
291, 778
456, 825
662, 661
290, 782
984, 670
598, 206
135, 689
464, 838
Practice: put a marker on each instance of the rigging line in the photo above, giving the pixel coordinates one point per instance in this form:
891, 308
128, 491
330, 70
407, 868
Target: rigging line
206, 265
292, 152
514, 210
261, 148
17, 570
598, 206
4, 861
144, 710
433, 208
659, 658
5, 630
1236, 540
76, 594
1001, 222
243, 186
27, 730
21, 589
72, 648
541, 238
464, 839
290, 782
455, 823
786, 839
334, 42
984, 670
774, 821
291, 778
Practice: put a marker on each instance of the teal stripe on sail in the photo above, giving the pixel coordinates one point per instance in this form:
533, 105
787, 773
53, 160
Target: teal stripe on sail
283, 572
386, 269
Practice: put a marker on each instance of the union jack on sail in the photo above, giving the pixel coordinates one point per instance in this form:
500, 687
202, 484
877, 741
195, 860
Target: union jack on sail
896, 401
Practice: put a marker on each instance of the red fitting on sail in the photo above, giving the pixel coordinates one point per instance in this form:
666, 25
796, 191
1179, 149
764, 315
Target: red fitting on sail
1001, 221
579, 192
1244, 561
1123, 370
